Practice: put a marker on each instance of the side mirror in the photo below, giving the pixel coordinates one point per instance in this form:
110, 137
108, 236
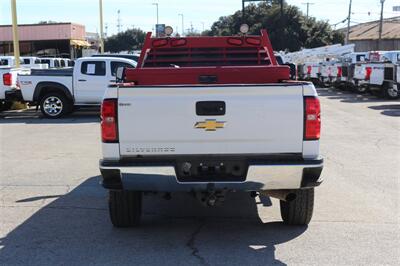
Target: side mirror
120, 74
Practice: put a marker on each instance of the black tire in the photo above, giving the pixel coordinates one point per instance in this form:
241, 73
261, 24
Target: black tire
4, 106
390, 92
55, 105
125, 208
361, 89
300, 210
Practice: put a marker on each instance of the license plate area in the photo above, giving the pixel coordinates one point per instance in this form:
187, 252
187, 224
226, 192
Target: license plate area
211, 170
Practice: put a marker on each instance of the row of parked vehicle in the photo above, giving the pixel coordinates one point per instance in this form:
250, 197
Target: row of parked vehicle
377, 72
9, 72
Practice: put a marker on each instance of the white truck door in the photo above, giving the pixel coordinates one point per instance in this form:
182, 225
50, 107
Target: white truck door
90, 81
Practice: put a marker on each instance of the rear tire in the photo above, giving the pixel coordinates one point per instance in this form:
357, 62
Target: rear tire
361, 89
55, 105
300, 210
125, 208
4, 106
390, 92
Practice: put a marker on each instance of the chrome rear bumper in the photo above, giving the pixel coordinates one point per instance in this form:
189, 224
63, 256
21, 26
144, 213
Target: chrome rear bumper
279, 175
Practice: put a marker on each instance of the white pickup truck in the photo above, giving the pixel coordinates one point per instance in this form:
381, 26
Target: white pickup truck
379, 76
57, 91
311, 71
345, 69
8, 85
210, 124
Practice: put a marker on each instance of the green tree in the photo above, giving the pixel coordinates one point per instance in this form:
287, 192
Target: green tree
131, 39
288, 30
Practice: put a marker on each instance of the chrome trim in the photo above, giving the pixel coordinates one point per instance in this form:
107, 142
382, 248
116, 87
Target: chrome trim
259, 177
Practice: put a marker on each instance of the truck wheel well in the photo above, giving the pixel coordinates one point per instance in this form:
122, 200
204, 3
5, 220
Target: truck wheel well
46, 90
47, 87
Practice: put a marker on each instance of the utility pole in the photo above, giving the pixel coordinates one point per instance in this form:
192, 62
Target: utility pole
106, 30
156, 4
15, 32
348, 24
202, 23
308, 7
101, 27
119, 26
380, 26
183, 25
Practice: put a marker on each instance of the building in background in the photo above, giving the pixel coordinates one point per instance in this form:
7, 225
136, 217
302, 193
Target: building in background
93, 39
365, 35
48, 39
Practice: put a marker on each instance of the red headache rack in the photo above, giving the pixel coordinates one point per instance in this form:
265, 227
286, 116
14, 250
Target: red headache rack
207, 60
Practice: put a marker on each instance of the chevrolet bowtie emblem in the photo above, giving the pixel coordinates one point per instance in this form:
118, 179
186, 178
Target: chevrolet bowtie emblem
210, 124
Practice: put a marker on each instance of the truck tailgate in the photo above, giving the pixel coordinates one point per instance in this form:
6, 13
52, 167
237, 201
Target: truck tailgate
164, 120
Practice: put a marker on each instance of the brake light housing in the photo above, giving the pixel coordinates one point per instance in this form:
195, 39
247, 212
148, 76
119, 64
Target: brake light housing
339, 72
7, 79
109, 123
368, 71
312, 118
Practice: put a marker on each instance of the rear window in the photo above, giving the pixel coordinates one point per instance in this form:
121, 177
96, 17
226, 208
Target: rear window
45, 61
3, 62
360, 58
94, 68
197, 57
115, 65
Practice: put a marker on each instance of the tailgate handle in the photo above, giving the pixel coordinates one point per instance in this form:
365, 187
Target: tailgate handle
208, 79
206, 108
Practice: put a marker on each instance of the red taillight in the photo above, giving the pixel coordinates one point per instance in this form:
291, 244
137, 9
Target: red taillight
368, 71
7, 79
339, 72
312, 118
109, 131
308, 70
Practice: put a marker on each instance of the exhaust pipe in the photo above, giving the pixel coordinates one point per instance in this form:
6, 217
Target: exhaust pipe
281, 194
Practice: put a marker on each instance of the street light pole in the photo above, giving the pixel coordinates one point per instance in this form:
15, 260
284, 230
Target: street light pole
15, 32
156, 4
380, 26
183, 28
101, 27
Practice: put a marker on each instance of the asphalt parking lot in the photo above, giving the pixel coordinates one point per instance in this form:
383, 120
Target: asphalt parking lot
53, 211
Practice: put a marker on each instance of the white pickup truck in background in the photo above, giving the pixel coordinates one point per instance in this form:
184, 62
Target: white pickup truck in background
345, 69
57, 91
379, 76
8, 84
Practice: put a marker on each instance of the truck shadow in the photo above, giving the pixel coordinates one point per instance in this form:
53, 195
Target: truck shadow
389, 109
75, 229
31, 116
348, 96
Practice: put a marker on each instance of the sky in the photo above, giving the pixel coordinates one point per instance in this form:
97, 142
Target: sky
142, 13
